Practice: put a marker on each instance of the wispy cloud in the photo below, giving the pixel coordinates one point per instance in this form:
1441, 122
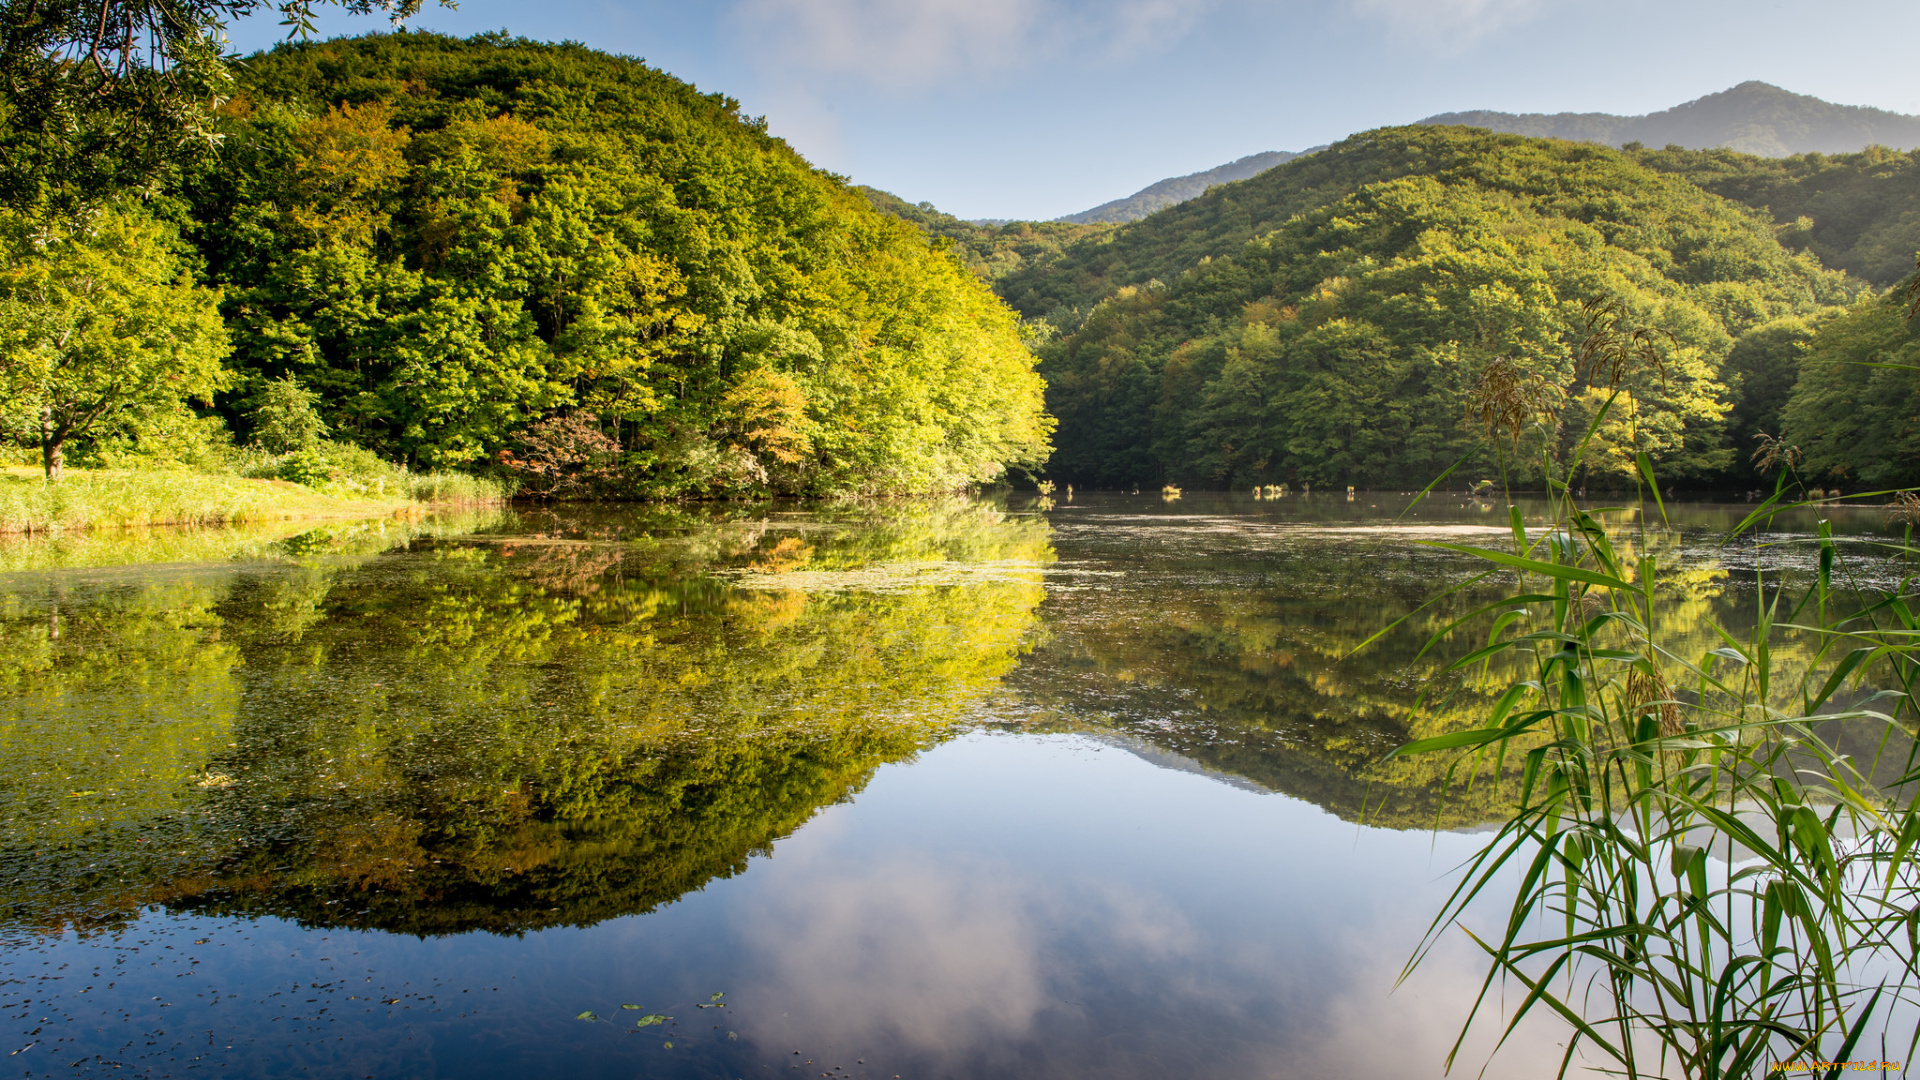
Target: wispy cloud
907, 44
1448, 23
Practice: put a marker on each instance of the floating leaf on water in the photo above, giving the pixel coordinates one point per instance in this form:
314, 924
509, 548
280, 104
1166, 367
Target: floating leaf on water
667, 1045
650, 1020
626, 1006
588, 1016
389, 1001
717, 995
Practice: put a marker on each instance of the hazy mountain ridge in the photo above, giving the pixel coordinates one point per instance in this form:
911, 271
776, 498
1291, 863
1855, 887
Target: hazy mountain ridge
1179, 189
1754, 118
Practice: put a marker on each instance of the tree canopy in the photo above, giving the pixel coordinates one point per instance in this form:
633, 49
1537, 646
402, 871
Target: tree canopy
98, 97
101, 331
1325, 322
1858, 212
1855, 409
451, 240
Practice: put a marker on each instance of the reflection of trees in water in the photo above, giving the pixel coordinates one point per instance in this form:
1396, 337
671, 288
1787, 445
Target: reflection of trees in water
484, 735
112, 705
1244, 664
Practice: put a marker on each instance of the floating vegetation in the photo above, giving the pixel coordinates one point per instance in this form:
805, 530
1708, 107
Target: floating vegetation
889, 577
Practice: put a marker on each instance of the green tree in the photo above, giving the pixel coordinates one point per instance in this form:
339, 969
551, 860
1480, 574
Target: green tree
1855, 411
1761, 369
100, 330
454, 242
1857, 212
101, 96
285, 419
1325, 322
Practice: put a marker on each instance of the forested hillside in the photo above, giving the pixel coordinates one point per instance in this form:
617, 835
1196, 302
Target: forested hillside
990, 251
492, 250
1855, 407
1753, 118
1325, 321
1858, 212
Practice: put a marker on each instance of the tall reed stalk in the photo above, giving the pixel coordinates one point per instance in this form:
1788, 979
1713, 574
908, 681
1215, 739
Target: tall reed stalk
1696, 879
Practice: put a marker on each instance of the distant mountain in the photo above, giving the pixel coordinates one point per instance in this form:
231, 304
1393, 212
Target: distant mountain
1754, 118
988, 247
1179, 189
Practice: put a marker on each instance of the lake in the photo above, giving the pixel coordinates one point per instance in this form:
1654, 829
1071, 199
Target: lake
993, 787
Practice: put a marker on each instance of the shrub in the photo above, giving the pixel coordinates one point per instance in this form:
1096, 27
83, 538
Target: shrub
286, 420
339, 469
561, 456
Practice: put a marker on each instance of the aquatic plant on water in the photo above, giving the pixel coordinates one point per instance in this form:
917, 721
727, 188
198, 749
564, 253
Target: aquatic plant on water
1699, 878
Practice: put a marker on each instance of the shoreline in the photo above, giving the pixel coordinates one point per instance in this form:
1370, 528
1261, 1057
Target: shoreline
86, 500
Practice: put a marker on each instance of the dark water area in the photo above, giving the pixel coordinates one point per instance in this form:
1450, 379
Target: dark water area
947, 789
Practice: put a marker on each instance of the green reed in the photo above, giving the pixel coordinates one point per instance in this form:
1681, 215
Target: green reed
1696, 879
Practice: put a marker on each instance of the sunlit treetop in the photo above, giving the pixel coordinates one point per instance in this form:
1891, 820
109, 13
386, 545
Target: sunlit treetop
106, 97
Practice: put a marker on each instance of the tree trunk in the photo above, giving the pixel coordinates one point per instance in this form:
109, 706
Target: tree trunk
52, 445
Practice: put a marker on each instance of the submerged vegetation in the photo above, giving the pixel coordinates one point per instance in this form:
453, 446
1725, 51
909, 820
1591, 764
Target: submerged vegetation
404, 269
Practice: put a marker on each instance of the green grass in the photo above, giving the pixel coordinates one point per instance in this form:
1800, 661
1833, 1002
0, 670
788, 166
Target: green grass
257, 541
459, 488
121, 499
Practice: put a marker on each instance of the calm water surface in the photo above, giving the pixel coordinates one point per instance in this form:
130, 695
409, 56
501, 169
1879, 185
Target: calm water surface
927, 790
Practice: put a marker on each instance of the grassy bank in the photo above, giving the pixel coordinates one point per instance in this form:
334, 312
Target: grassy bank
119, 499
254, 541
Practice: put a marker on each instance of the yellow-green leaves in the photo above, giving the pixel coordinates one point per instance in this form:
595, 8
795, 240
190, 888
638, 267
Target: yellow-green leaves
506, 232
101, 329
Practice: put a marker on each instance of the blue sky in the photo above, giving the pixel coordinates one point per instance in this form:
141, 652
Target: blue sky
1036, 108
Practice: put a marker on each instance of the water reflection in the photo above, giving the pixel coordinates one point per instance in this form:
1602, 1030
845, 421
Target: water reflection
461, 782
566, 717
1226, 633
504, 732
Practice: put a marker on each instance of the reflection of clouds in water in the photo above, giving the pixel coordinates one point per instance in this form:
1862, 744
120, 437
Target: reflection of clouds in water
969, 968
1370, 1028
1040, 908
931, 959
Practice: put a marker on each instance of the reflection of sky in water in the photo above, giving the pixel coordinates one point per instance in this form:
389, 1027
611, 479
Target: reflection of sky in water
1066, 909
1007, 905
1120, 897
